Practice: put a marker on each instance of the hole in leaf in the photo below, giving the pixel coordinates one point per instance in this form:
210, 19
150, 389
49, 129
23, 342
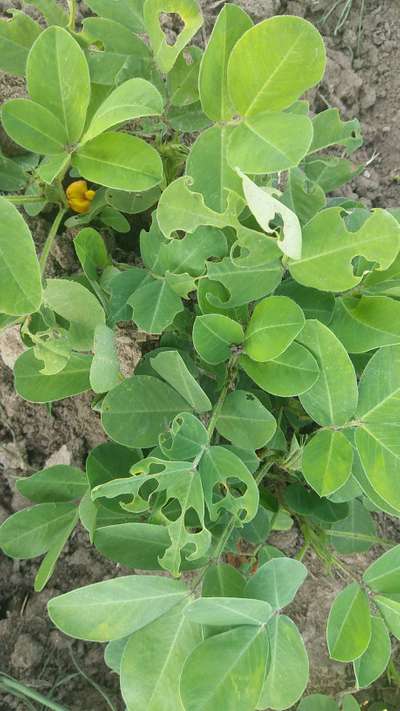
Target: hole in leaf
172, 25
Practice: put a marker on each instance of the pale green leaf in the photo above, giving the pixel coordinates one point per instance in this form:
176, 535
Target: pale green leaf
332, 400
366, 322
120, 161
228, 611
132, 99
17, 36
155, 305
371, 665
30, 532
153, 659
349, 624
171, 366
327, 461
274, 324
33, 127
34, 386
20, 282
390, 611
274, 63
59, 482
231, 23
383, 575
114, 608
129, 13
294, 372
58, 79
277, 582
183, 79
269, 142
137, 410
105, 368
265, 207
226, 671
78, 305
214, 335
330, 130
287, 676
244, 421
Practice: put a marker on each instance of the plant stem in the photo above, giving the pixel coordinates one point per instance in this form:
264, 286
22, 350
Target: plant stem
24, 199
13, 687
230, 377
50, 238
73, 6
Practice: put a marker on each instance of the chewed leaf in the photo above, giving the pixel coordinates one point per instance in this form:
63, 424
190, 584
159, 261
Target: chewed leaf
219, 466
330, 130
265, 208
189, 12
181, 209
17, 36
329, 248
181, 482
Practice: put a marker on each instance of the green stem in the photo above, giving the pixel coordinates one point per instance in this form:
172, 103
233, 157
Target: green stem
73, 7
13, 687
24, 199
50, 238
230, 377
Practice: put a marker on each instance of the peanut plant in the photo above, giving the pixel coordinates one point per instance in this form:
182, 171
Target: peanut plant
270, 395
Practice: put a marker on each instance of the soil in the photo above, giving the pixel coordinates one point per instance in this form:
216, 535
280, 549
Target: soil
363, 81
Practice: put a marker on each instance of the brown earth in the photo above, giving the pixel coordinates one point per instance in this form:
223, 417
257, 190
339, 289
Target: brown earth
363, 81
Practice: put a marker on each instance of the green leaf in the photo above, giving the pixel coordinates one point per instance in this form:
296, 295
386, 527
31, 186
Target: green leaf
113, 653
294, 372
274, 324
265, 207
105, 368
244, 421
137, 410
270, 142
214, 335
231, 23
154, 305
350, 532
171, 366
226, 671
134, 545
20, 288
327, 461
51, 11
274, 63
288, 653
330, 173
79, 306
189, 12
219, 466
127, 12
55, 353
47, 566
92, 252
12, 176
329, 249
30, 532
349, 624
376, 437
366, 323
186, 438
34, 386
153, 659
229, 611
120, 161
183, 79
277, 582
17, 36
303, 196
318, 702
390, 610
114, 608
57, 483
58, 79
382, 575
51, 166
130, 100
371, 665
133, 203
223, 580
315, 304
208, 167
33, 127
332, 400
181, 209
330, 130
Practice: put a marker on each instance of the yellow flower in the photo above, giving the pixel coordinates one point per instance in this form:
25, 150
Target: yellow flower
79, 197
